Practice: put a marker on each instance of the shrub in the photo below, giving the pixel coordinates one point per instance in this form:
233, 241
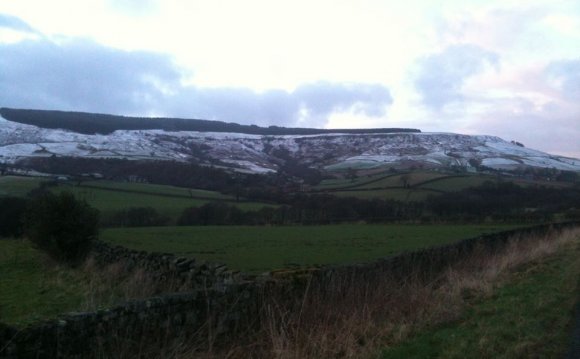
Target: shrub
62, 226
12, 210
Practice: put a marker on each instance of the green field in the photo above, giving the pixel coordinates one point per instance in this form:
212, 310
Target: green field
18, 186
527, 317
397, 180
110, 197
157, 189
541, 183
452, 184
385, 185
30, 290
258, 249
398, 194
34, 288
110, 201
381, 180
337, 183
423, 184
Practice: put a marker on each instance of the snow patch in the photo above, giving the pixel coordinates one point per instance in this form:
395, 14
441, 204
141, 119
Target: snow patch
500, 163
265, 153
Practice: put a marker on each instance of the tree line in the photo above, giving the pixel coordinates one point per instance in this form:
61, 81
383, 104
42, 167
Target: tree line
497, 202
95, 123
492, 201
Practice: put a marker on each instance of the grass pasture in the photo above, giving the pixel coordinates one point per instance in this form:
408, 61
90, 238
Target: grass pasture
422, 185
399, 194
110, 197
455, 183
30, 290
34, 288
382, 180
398, 180
155, 189
338, 183
526, 317
109, 201
18, 186
259, 249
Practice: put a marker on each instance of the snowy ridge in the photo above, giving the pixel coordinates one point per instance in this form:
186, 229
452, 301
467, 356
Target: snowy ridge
263, 153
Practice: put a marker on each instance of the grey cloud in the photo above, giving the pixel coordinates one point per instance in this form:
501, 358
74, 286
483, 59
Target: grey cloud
503, 27
442, 75
553, 128
317, 101
239, 105
567, 75
14, 23
81, 75
85, 76
324, 97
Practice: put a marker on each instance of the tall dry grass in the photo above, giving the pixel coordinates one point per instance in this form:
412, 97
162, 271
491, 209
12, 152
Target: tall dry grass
354, 319
341, 318
113, 283
109, 284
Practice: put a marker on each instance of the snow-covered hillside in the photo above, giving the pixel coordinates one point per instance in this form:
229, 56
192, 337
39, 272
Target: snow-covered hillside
260, 154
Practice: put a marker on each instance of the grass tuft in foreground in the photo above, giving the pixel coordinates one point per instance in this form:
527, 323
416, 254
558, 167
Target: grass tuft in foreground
33, 288
526, 317
513, 303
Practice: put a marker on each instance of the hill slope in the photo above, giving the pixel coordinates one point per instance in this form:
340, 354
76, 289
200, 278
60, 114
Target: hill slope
260, 153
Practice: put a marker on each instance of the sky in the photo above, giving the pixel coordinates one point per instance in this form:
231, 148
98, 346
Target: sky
497, 67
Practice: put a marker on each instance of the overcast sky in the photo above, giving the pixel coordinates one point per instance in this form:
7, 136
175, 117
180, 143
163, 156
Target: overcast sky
500, 67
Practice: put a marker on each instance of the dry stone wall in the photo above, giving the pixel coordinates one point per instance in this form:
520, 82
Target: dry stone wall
231, 304
428, 262
185, 273
136, 325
